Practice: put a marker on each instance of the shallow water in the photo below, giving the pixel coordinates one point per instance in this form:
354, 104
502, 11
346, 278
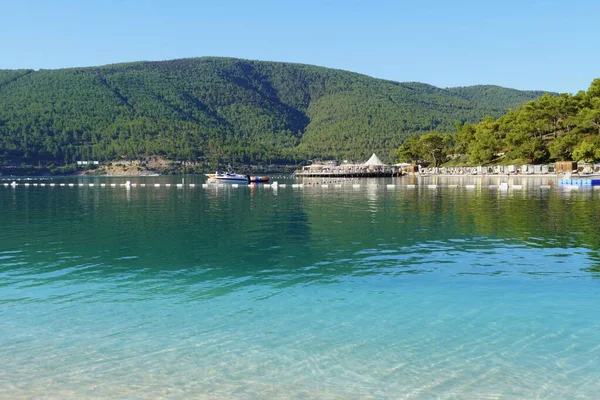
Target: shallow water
368, 292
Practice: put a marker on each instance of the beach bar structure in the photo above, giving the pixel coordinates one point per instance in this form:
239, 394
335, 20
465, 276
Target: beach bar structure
374, 167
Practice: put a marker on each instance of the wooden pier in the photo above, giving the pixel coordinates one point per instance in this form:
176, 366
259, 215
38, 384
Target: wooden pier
346, 173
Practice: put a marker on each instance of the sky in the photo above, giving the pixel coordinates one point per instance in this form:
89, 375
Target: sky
528, 44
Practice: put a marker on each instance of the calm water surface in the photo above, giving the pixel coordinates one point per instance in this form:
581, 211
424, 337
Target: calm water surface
310, 293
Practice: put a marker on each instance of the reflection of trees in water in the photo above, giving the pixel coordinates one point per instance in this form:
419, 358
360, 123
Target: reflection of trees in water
216, 241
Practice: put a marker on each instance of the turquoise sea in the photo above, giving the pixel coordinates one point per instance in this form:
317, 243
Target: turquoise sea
367, 292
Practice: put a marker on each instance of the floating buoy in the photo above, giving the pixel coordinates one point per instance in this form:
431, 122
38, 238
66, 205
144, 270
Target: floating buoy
432, 186
470, 186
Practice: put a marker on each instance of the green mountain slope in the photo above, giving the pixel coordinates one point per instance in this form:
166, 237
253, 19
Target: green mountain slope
225, 109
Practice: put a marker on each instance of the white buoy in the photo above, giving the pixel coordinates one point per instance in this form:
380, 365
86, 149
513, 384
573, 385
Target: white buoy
42, 184
81, 184
71, 184
179, 185
266, 185
204, 185
103, 185
411, 186
167, 185
113, 185
432, 186
52, 184
27, 184
325, 186
235, 185
142, 185
192, 185
356, 186
391, 186
470, 186
157, 185
284, 185
91, 185
275, 183
503, 186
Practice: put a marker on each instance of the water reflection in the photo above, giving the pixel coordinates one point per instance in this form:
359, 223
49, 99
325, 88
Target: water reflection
214, 241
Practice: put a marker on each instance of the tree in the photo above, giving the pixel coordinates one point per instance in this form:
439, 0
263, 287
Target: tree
434, 147
589, 118
410, 151
487, 143
562, 148
464, 136
588, 150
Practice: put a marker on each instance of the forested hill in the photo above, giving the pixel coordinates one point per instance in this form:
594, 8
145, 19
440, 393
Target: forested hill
225, 109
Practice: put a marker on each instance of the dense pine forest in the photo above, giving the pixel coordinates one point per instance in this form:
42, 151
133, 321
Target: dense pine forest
551, 128
226, 110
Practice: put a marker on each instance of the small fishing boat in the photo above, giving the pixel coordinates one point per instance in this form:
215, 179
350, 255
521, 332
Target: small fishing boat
259, 179
227, 177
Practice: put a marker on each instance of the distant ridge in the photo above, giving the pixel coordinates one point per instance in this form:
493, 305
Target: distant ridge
225, 109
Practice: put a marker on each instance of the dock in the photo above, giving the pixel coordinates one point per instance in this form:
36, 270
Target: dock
344, 173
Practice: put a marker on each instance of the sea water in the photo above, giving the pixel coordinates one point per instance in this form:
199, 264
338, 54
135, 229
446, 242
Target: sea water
311, 292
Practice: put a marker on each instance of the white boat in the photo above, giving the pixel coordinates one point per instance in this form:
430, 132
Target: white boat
227, 177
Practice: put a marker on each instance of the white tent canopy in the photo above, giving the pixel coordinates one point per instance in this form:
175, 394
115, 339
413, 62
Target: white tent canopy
373, 161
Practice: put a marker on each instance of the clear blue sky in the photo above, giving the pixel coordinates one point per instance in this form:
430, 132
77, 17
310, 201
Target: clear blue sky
528, 44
